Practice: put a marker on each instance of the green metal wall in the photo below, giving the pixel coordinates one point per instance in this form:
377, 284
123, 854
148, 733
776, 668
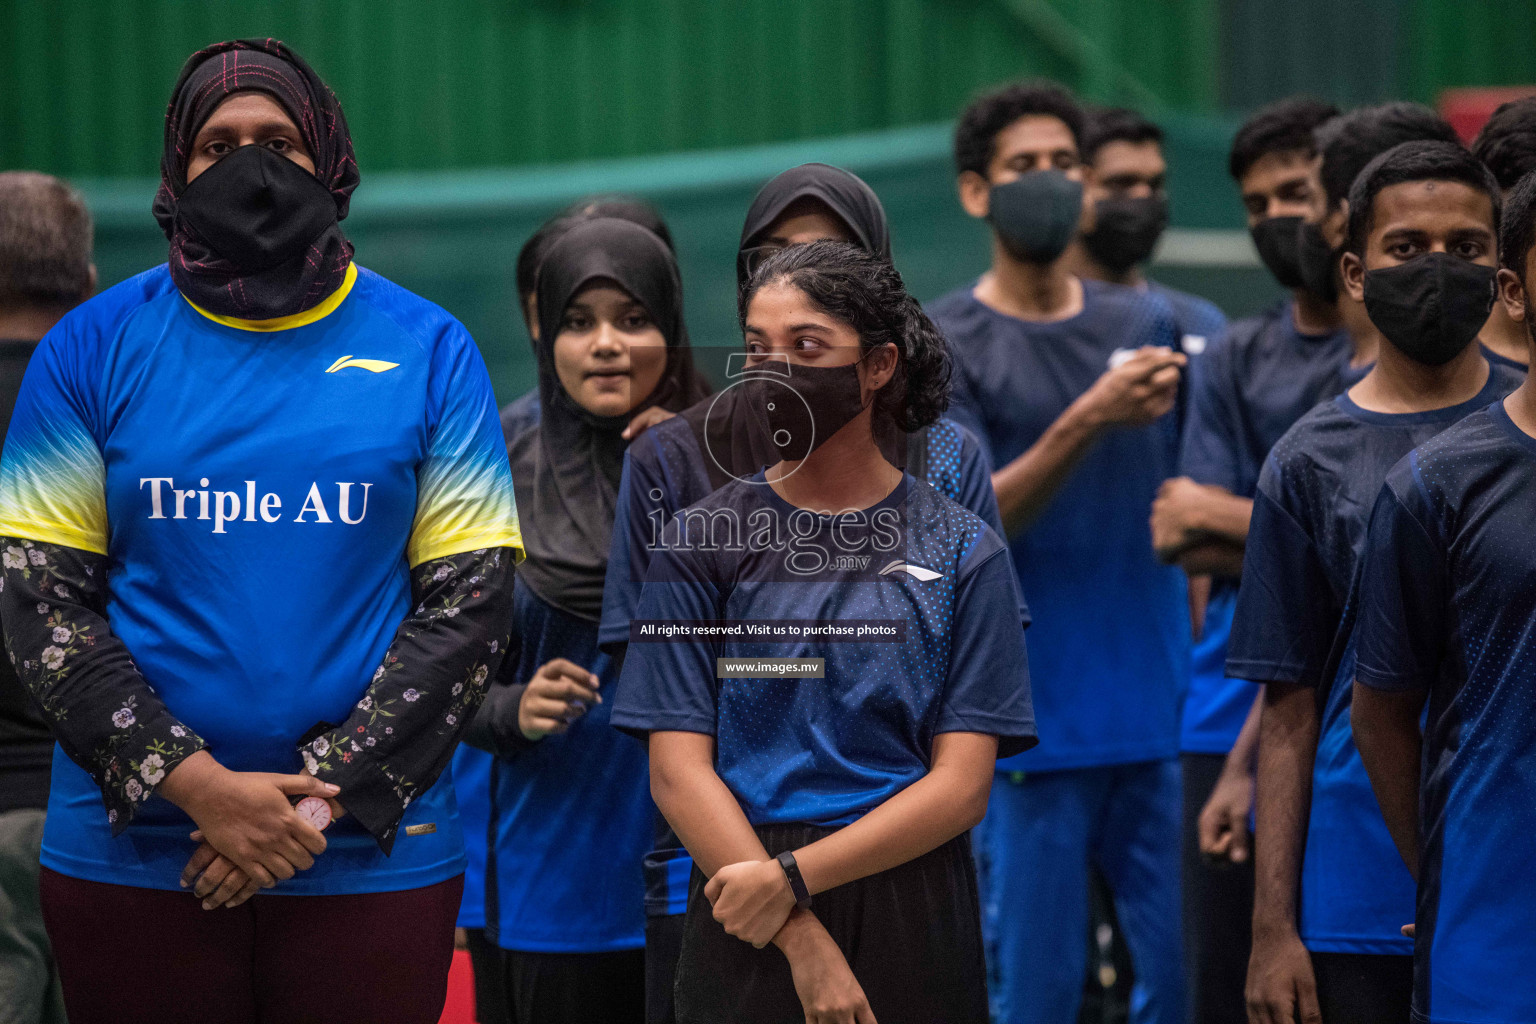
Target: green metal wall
471, 83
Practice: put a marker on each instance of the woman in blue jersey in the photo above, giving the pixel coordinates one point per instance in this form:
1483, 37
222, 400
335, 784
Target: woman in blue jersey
826, 802
259, 534
571, 815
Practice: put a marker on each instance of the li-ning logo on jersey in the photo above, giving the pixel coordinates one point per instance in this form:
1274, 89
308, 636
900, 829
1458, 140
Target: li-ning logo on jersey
166, 501
917, 572
372, 365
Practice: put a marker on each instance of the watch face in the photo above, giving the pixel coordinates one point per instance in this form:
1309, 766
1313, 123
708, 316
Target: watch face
315, 811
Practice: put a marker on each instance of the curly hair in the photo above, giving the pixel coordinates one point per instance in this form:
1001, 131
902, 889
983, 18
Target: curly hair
865, 292
980, 123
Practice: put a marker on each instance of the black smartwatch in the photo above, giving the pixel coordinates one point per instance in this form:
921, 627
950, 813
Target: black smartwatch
796, 883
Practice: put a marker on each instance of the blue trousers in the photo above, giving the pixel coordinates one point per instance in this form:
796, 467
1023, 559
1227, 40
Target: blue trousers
1034, 849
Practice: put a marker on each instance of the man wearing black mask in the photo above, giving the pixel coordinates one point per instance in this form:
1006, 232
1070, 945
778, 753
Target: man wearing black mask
1125, 213
1071, 383
1507, 147
45, 270
1333, 893
1246, 390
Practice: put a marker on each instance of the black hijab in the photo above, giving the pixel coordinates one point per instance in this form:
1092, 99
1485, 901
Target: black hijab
730, 431
210, 278
845, 194
566, 467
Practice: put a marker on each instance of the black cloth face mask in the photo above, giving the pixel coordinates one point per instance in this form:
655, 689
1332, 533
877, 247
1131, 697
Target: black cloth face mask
1125, 231
1431, 307
805, 409
1036, 215
270, 221
257, 209
1278, 241
1318, 263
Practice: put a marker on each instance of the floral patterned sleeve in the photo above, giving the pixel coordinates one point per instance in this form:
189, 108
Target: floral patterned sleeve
104, 714
403, 732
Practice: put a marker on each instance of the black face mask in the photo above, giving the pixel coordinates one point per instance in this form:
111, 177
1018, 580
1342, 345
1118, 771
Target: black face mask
808, 407
1431, 307
1278, 239
1036, 215
1318, 263
1125, 231
257, 209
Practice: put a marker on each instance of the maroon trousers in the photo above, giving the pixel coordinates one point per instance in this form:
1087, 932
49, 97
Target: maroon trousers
145, 956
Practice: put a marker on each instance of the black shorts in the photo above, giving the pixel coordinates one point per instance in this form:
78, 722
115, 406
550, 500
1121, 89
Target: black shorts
912, 936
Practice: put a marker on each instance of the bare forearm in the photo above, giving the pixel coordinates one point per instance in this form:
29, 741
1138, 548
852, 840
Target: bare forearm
1386, 731
1287, 750
703, 812
1215, 557
1244, 754
1026, 485
927, 814
1226, 517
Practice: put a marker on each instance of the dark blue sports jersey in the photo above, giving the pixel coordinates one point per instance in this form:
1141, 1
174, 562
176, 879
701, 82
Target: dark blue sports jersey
1248, 388
571, 816
261, 492
1109, 644
1295, 623
1200, 321
664, 473
1498, 360
471, 787
1448, 604
827, 750
519, 414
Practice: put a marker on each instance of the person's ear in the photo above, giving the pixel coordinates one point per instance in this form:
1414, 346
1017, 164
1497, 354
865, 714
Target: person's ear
1512, 294
1333, 225
879, 367
975, 193
1352, 269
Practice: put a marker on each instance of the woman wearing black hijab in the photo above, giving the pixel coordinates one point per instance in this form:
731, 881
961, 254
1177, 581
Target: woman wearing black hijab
571, 812
258, 532
680, 462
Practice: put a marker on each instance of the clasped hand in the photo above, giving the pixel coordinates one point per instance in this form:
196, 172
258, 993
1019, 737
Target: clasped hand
752, 900
249, 835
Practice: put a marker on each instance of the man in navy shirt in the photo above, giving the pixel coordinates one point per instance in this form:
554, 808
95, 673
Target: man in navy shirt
1126, 193
1070, 384
1332, 893
1448, 594
1507, 145
1246, 389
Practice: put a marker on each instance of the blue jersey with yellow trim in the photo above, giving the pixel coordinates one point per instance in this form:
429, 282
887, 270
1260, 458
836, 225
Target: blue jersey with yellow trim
260, 491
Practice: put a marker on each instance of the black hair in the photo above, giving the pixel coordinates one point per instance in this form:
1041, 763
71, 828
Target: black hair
865, 291
1507, 143
979, 125
1285, 126
636, 211
45, 242
1518, 231
1414, 161
1350, 142
1115, 124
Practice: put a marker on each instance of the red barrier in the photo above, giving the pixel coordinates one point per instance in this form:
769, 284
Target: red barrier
1469, 109
460, 1005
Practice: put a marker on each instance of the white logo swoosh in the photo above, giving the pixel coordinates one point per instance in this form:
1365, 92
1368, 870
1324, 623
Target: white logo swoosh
917, 572
372, 365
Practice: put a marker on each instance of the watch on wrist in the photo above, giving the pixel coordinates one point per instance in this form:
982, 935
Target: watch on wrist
796, 883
